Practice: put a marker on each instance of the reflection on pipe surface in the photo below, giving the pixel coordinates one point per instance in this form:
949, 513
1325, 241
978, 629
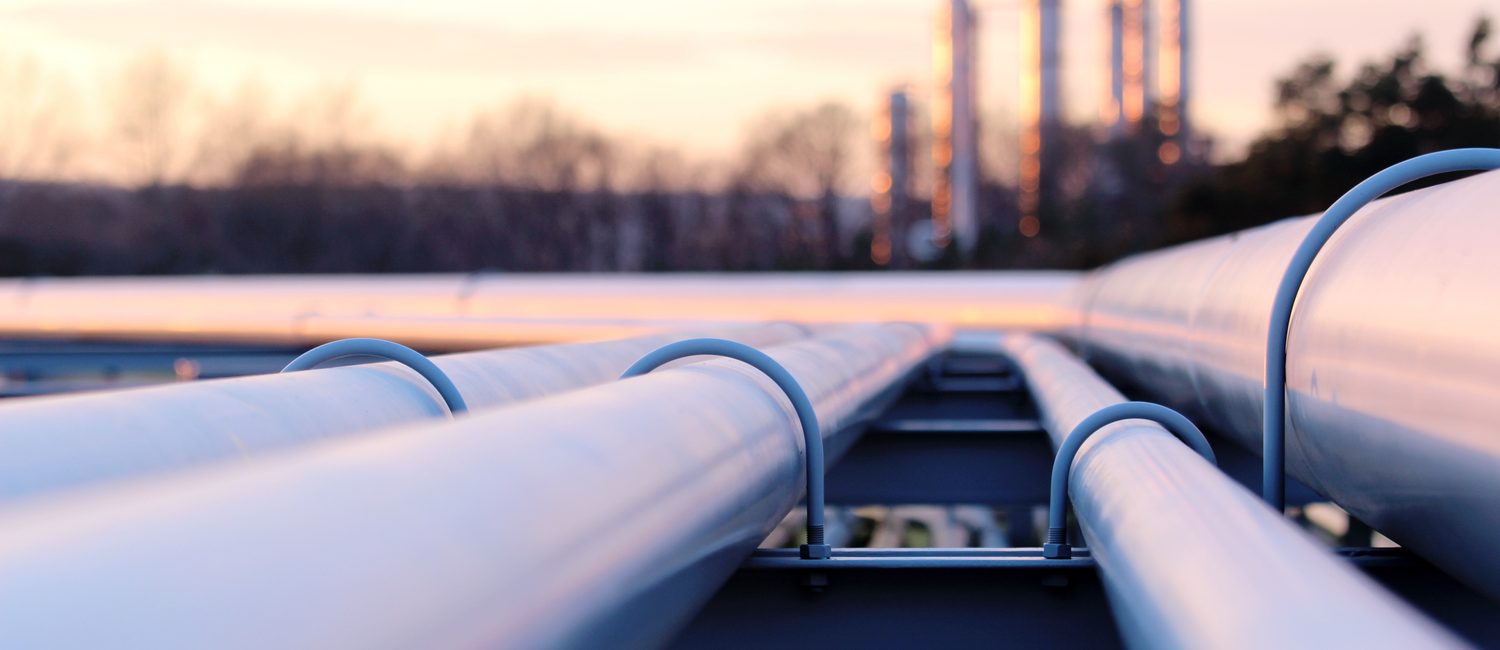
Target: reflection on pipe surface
56, 443
1190, 558
603, 516
1393, 369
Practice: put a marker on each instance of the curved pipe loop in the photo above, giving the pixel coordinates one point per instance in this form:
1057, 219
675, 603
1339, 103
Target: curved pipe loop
1273, 428
1056, 546
815, 548
361, 347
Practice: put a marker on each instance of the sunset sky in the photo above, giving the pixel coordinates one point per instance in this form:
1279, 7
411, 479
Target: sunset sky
689, 73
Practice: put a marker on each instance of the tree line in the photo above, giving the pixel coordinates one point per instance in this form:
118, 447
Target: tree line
529, 187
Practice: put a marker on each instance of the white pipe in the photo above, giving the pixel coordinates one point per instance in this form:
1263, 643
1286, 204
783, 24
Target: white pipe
1191, 559
453, 311
52, 443
599, 517
1393, 360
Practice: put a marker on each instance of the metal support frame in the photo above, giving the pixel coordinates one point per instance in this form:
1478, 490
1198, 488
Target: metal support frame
1161, 521
992, 462
1056, 546
363, 347
970, 596
907, 597
881, 597
1273, 487
815, 548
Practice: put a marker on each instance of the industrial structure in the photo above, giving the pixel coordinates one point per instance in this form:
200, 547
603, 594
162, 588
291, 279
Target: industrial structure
877, 476
1041, 110
890, 191
1147, 79
1176, 84
955, 139
1130, 65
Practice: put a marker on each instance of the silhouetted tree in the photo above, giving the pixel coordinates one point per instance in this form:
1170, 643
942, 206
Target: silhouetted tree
34, 142
1332, 133
148, 106
804, 157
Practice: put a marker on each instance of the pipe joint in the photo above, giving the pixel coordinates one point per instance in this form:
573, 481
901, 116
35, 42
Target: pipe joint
1057, 547
362, 347
815, 548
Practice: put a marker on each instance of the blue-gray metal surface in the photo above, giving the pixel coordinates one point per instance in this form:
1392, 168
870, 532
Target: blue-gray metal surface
1191, 559
603, 516
980, 597
944, 465
52, 443
383, 349
1393, 360
907, 598
30, 367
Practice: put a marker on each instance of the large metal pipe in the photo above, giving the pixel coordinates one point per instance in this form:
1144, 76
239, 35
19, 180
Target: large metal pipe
1393, 362
51, 443
599, 517
1191, 559
480, 310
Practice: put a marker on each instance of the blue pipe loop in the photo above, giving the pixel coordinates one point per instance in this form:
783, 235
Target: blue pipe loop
361, 347
815, 548
1056, 546
1273, 428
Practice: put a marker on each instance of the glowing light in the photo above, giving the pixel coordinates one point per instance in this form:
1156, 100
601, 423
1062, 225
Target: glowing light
1399, 115
1169, 153
1172, 80
1168, 124
1030, 226
1031, 142
186, 369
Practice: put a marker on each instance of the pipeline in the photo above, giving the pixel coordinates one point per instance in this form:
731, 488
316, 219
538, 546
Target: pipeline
477, 311
599, 517
53, 443
1189, 558
1393, 364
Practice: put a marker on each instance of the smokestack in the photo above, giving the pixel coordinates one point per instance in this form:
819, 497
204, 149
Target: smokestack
891, 187
1130, 58
1041, 108
1114, 103
954, 143
1173, 78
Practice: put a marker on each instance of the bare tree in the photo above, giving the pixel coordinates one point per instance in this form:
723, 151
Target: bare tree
806, 156
535, 145
150, 99
34, 141
663, 178
234, 128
